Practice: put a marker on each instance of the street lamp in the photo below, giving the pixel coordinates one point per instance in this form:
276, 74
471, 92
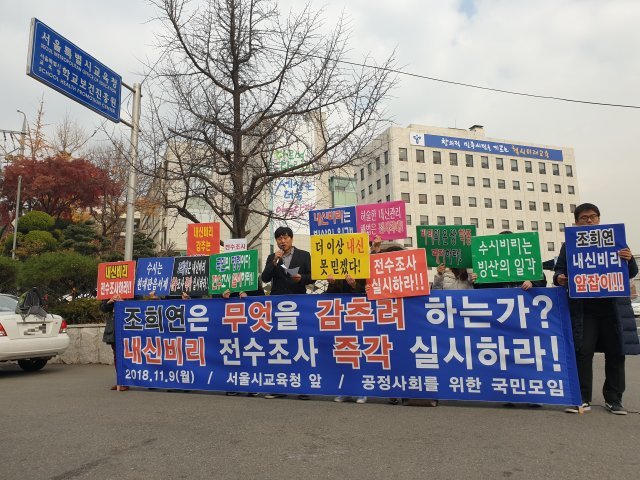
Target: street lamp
23, 133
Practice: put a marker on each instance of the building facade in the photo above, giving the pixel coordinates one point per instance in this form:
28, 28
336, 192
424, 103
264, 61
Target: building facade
450, 176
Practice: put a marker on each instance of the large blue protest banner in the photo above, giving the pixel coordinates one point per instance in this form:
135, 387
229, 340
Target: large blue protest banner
65, 67
594, 266
505, 345
153, 275
331, 221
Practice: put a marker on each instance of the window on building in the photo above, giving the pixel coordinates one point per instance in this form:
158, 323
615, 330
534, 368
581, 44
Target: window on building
534, 226
378, 184
503, 203
555, 169
437, 178
516, 185
402, 154
569, 170
519, 225
442, 221
532, 206
572, 207
419, 156
378, 163
551, 247
517, 204
405, 197
571, 190
473, 202
408, 217
490, 223
560, 207
408, 242
439, 199
499, 164
527, 166
386, 157
484, 162
386, 179
457, 220
502, 184
468, 159
362, 173
488, 203
362, 194
486, 183
422, 198
455, 180
473, 221
404, 176
471, 181
455, 201
422, 177
437, 158
542, 167
557, 188
546, 206
548, 226
453, 159
505, 225
424, 219
561, 227
530, 186
514, 165
388, 198
544, 187
370, 189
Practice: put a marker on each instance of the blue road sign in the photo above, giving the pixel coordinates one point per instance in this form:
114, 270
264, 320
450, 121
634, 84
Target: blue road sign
60, 64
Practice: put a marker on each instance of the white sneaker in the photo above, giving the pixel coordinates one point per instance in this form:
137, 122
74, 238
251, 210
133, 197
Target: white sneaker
586, 407
361, 400
340, 399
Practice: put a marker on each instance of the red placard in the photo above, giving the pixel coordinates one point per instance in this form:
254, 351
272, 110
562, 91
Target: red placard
203, 238
398, 274
116, 278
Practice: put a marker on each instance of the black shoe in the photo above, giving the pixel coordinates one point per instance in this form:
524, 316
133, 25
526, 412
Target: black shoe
231, 394
252, 394
304, 397
269, 396
616, 408
394, 401
586, 407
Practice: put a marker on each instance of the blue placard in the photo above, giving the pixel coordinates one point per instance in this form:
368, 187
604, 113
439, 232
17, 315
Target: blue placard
484, 146
504, 345
594, 266
153, 275
331, 221
60, 64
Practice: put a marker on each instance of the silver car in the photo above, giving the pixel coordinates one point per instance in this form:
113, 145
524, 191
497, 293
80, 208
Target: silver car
30, 339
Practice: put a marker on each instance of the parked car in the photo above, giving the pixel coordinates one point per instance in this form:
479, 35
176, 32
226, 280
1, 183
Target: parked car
636, 306
30, 337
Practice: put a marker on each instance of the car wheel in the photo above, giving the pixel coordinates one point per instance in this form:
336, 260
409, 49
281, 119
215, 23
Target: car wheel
32, 364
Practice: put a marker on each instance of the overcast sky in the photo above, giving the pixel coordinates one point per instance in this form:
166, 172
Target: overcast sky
579, 49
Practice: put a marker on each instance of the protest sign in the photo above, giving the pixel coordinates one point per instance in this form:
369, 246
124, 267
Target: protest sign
333, 221
235, 271
339, 255
449, 244
511, 257
235, 245
203, 238
116, 278
398, 274
191, 276
154, 275
386, 219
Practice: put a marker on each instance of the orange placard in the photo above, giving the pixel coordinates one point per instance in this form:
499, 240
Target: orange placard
398, 274
203, 238
116, 278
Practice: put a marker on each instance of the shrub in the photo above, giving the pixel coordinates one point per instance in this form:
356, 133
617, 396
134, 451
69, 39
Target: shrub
35, 220
79, 311
9, 270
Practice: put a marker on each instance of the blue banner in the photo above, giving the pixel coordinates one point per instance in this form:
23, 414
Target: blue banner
484, 146
594, 266
65, 67
153, 275
504, 345
333, 221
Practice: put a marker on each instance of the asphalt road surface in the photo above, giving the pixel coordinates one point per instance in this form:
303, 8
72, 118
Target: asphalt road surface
64, 423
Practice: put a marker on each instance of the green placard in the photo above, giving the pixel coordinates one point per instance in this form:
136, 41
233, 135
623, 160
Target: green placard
233, 271
511, 257
448, 244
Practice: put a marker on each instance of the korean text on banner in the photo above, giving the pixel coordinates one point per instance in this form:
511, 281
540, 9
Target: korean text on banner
154, 275
387, 219
511, 257
339, 255
593, 263
500, 345
190, 276
116, 278
203, 238
449, 245
398, 274
235, 271
235, 245
333, 221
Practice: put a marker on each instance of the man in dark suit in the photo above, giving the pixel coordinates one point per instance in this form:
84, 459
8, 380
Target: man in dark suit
287, 257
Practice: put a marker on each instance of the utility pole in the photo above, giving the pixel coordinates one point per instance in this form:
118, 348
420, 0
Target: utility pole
131, 184
23, 134
15, 226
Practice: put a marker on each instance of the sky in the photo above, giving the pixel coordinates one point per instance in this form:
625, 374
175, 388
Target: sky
577, 49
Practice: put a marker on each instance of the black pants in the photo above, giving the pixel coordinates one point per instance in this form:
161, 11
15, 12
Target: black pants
599, 328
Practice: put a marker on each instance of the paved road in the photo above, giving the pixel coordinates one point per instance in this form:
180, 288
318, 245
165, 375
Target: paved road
64, 423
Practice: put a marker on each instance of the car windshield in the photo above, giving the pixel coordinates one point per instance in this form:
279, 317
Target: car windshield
8, 303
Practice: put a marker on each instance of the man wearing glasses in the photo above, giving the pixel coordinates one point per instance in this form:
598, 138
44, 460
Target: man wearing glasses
605, 324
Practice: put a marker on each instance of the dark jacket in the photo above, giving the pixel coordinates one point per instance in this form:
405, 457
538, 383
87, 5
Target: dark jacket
341, 286
281, 283
109, 335
620, 308
536, 283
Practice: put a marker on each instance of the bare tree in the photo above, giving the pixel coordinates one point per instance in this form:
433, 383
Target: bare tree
240, 82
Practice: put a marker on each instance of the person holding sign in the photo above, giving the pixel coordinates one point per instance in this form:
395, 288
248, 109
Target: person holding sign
109, 335
452, 279
604, 324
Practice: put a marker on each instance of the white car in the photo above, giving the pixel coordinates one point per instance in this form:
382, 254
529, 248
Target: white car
636, 307
30, 339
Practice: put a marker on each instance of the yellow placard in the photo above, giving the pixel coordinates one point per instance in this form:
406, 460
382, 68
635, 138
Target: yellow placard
339, 255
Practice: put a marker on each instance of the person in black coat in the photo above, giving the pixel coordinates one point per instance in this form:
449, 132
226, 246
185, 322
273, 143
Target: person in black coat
600, 324
287, 257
